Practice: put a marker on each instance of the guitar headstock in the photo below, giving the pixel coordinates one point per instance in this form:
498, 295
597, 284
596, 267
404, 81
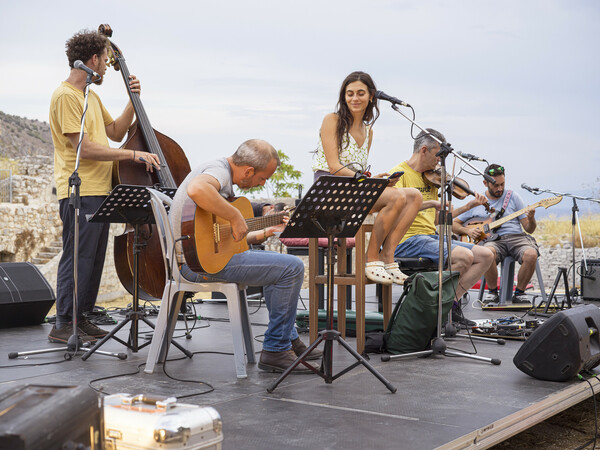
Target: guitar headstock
114, 53
548, 202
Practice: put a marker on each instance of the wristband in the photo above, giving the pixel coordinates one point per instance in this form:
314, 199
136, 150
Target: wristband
265, 233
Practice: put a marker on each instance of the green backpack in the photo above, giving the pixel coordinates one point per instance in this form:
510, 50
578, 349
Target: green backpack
414, 320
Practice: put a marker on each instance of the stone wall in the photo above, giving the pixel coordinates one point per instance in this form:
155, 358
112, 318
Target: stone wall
32, 222
27, 229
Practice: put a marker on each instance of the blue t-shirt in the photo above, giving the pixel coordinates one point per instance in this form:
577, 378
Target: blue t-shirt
513, 226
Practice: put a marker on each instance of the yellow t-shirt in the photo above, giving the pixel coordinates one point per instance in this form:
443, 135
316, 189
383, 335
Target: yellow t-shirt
66, 108
424, 223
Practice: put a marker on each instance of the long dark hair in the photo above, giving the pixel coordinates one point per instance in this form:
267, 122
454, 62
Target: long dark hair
345, 118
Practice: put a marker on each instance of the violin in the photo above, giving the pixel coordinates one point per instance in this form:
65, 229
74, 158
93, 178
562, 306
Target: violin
460, 188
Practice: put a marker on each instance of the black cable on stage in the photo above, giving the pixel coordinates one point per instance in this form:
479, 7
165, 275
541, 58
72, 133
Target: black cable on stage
37, 364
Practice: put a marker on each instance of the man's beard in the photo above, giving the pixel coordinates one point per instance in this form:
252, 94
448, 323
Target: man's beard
493, 194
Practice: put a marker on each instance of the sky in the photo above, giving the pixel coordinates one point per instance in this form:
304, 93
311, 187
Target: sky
514, 81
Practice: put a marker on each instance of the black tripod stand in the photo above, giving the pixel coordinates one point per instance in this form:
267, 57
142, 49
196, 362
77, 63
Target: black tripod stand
129, 204
334, 206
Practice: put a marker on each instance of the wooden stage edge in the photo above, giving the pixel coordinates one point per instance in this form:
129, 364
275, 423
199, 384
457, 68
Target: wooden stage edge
504, 428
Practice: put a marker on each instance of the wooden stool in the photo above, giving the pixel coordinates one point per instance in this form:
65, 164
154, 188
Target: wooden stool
299, 247
342, 279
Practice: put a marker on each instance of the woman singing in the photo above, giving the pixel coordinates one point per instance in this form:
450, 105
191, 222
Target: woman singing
344, 144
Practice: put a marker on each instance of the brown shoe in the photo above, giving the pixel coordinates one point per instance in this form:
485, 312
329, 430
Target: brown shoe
279, 361
62, 336
299, 348
85, 325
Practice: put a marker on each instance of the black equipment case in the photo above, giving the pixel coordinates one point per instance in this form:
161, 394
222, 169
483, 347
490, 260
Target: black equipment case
49, 417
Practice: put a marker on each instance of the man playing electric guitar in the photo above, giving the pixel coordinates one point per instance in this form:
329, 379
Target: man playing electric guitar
209, 186
510, 238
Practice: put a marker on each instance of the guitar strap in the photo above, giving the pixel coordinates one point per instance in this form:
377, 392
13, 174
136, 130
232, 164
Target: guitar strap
504, 205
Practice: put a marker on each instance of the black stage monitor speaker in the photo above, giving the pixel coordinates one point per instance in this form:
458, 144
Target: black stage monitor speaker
25, 295
562, 346
590, 280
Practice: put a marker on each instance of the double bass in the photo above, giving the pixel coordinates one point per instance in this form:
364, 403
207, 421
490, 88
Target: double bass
174, 168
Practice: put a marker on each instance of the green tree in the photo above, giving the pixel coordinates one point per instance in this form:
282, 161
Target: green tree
284, 181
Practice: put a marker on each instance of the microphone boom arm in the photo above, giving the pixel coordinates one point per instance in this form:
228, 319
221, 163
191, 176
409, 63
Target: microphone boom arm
538, 191
488, 178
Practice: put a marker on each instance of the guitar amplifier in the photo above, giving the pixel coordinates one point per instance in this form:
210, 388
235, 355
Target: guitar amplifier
590, 280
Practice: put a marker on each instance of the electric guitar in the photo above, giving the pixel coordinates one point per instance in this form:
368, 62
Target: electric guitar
485, 226
211, 243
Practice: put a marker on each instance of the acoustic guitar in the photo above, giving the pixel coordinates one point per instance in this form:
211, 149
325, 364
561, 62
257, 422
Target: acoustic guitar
486, 225
211, 243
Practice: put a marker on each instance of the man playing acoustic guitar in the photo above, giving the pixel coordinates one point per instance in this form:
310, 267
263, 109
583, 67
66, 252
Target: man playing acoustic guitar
207, 189
509, 238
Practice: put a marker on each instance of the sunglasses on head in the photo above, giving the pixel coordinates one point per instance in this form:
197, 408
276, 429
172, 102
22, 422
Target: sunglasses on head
496, 171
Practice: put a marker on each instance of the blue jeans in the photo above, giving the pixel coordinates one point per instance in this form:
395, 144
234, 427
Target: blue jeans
425, 246
281, 277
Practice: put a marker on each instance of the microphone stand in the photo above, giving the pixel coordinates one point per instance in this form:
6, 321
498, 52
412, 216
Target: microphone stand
438, 344
574, 222
74, 343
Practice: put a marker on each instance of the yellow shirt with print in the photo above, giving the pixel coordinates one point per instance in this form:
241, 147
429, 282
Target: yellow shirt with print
66, 108
424, 223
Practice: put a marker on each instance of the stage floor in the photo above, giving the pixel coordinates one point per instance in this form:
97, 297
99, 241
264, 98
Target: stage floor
447, 402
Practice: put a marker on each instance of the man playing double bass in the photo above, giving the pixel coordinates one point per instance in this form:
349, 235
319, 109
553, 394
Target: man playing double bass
95, 172
510, 238
421, 239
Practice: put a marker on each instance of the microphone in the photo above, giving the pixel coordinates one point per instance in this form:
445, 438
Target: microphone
470, 157
80, 65
388, 98
488, 178
530, 189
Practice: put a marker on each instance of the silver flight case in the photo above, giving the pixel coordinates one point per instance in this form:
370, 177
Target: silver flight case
146, 422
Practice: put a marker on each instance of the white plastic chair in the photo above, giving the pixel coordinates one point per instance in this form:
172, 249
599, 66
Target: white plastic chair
175, 287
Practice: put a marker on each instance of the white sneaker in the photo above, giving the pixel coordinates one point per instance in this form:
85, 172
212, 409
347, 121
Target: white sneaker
491, 298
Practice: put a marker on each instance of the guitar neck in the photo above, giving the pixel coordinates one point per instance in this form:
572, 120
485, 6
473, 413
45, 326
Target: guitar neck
499, 222
258, 223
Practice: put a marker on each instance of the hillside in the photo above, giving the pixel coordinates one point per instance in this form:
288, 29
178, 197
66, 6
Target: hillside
20, 136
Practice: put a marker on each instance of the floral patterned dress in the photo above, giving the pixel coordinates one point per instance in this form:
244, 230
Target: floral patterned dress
356, 157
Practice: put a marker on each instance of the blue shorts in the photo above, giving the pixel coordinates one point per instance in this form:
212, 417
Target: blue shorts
425, 246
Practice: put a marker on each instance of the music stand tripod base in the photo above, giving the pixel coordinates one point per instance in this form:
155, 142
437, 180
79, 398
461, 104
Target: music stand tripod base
333, 207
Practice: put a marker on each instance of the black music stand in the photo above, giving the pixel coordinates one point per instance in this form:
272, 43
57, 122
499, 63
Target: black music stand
129, 204
333, 207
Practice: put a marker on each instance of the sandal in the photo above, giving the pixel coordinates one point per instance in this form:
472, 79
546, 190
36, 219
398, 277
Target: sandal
375, 271
394, 271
